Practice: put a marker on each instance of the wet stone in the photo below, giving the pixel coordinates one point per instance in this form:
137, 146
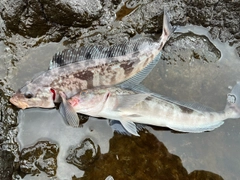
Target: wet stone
197, 175
191, 48
80, 12
221, 14
84, 155
7, 133
40, 157
35, 18
238, 50
6, 165
146, 18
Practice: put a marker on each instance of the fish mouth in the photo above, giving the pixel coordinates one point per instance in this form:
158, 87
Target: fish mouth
19, 104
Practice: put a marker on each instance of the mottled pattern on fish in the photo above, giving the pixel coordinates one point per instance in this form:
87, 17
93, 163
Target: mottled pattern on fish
106, 71
125, 105
92, 52
87, 67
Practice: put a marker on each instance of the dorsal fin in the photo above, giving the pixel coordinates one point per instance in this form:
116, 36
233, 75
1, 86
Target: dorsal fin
69, 56
140, 76
139, 88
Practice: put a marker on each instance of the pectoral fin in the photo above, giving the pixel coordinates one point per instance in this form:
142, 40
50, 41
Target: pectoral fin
67, 111
140, 76
130, 127
118, 127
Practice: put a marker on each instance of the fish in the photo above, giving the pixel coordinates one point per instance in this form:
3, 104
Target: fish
73, 70
130, 107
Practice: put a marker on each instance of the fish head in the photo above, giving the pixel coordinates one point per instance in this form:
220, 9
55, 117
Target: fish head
32, 95
89, 102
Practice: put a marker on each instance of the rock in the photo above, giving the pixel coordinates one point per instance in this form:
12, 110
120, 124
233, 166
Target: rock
35, 18
199, 175
191, 48
83, 156
11, 12
40, 157
6, 165
72, 13
8, 122
216, 14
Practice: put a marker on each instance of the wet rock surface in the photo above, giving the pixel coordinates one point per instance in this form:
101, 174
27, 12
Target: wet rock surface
221, 15
6, 165
190, 48
204, 175
84, 155
28, 26
34, 18
8, 132
40, 157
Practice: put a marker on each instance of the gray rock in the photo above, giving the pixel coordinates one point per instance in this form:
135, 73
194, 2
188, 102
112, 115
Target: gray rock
40, 157
84, 155
6, 165
35, 18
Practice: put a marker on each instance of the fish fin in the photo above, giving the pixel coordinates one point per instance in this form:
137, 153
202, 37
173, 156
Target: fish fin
197, 129
128, 101
109, 178
139, 77
37, 75
139, 88
168, 29
196, 106
67, 111
89, 52
118, 127
130, 127
190, 105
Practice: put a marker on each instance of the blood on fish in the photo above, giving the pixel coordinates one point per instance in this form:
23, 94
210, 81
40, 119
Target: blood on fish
53, 93
74, 101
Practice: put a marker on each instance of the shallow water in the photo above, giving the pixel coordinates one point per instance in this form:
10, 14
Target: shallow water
32, 129
157, 148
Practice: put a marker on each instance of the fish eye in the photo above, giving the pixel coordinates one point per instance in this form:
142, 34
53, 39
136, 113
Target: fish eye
28, 95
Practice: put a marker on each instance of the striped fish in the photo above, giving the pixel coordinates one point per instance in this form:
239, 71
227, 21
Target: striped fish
89, 66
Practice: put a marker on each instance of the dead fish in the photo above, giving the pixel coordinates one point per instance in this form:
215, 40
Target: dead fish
130, 107
87, 67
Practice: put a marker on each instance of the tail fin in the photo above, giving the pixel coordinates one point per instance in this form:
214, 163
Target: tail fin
166, 31
167, 27
233, 100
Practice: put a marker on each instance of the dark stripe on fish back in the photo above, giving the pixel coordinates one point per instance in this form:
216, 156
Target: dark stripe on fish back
186, 110
69, 56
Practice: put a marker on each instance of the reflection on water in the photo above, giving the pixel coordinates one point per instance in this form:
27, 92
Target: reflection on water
121, 156
157, 153
41, 125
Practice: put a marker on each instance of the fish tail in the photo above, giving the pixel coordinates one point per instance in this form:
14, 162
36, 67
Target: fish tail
233, 101
168, 29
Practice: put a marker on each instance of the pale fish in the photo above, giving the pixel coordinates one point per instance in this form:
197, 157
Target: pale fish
89, 66
130, 107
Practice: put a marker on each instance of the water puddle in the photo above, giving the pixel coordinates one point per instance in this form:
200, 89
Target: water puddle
157, 152
47, 125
